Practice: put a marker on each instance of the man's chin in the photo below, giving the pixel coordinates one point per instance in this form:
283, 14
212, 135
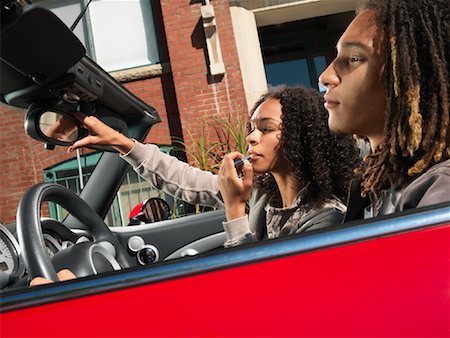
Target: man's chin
335, 129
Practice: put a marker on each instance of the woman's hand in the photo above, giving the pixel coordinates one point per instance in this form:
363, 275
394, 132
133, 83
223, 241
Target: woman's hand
102, 135
63, 129
235, 191
63, 275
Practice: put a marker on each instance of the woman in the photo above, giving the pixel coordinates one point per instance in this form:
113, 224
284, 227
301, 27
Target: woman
302, 171
295, 179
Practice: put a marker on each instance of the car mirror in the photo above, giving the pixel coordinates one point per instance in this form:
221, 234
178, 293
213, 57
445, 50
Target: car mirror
43, 65
155, 209
59, 127
53, 126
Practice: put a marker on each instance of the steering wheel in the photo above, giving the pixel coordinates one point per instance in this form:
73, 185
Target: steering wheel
30, 235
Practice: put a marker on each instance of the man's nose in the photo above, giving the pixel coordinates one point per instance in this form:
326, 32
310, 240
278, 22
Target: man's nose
329, 77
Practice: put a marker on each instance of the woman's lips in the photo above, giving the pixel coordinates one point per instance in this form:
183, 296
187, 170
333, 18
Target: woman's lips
254, 156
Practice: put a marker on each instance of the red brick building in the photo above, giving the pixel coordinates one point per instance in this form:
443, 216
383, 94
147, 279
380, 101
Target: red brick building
213, 58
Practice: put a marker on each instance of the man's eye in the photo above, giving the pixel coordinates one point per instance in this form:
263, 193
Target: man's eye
354, 59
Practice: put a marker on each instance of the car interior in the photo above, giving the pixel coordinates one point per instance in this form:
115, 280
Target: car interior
50, 87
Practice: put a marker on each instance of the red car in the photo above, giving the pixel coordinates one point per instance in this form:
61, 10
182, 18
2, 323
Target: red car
383, 277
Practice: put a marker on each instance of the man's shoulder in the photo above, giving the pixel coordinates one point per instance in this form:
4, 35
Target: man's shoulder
431, 187
438, 171
442, 168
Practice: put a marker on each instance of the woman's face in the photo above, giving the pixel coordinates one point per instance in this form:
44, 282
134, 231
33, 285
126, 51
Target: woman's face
264, 138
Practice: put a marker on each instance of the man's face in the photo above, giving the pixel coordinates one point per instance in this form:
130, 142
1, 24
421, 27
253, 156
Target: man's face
356, 97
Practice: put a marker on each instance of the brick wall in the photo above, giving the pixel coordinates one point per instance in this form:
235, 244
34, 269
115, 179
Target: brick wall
199, 96
151, 92
184, 99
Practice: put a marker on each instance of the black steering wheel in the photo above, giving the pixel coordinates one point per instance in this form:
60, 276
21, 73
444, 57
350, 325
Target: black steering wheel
30, 235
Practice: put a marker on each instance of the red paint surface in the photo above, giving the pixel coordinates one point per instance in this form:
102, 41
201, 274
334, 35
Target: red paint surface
396, 286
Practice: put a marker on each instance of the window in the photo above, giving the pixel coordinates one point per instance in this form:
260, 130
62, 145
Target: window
295, 53
68, 175
134, 189
116, 34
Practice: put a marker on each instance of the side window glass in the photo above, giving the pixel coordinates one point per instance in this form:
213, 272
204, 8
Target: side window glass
74, 173
133, 193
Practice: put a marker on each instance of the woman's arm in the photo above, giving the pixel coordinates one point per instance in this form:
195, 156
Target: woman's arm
238, 232
174, 176
163, 171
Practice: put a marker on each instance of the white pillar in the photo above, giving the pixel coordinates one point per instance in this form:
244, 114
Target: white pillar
250, 55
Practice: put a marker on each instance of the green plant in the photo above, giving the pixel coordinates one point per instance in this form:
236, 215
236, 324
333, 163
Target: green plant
207, 154
231, 132
199, 150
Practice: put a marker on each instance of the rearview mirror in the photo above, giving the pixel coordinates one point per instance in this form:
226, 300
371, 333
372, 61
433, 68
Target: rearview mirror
56, 125
43, 65
53, 126
59, 127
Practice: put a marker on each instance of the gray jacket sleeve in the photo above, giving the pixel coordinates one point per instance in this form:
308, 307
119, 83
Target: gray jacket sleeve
249, 228
175, 177
238, 232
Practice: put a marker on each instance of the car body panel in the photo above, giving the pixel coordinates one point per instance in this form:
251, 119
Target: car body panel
384, 277
391, 286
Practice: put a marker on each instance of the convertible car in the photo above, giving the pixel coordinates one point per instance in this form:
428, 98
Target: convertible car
383, 277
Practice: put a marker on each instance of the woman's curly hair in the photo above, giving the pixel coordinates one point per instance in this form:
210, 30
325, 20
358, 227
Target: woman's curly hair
417, 70
312, 152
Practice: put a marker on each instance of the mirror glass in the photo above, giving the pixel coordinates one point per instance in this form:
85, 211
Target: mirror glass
156, 209
59, 127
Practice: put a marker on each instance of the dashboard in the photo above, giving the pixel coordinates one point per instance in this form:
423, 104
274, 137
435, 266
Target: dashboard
12, 267
9, 252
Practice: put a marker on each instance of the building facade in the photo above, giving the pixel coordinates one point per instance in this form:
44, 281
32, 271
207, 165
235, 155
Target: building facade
192, 60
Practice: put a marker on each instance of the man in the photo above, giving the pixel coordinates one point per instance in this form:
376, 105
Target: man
390, 84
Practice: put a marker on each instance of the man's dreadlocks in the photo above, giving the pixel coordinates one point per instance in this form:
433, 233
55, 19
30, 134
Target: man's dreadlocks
417, 72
